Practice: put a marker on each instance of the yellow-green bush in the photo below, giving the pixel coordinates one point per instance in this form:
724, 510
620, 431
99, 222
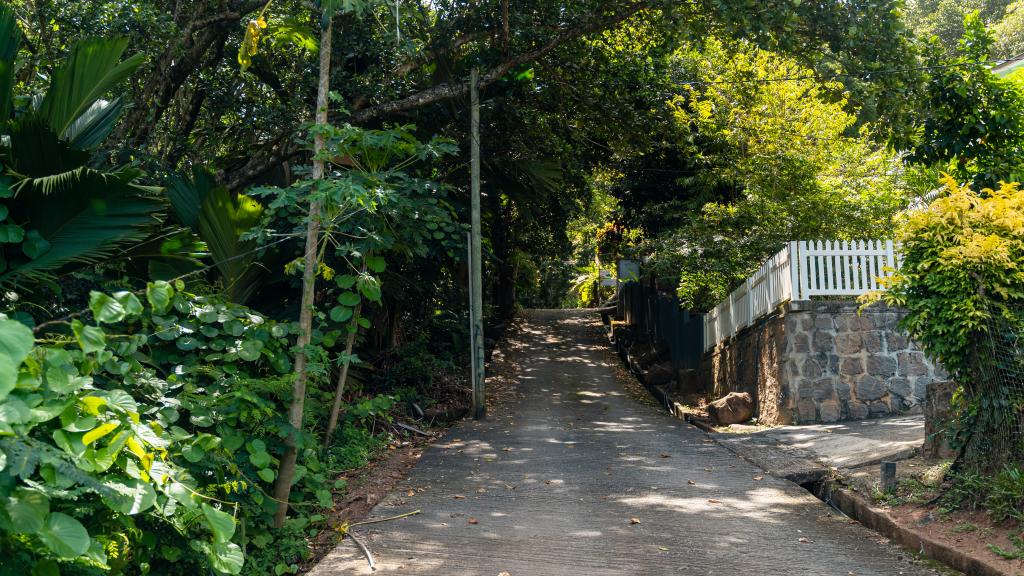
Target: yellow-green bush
962, 266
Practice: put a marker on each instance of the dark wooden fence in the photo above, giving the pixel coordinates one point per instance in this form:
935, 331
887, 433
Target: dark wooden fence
660, 317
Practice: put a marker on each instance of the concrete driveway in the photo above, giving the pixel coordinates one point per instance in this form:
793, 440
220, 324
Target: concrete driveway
579, 478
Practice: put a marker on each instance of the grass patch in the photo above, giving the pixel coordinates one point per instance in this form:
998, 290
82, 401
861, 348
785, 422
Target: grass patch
1016, 553
965, 527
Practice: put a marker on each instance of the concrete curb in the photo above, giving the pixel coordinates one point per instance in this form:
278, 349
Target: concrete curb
659, 393
860, 509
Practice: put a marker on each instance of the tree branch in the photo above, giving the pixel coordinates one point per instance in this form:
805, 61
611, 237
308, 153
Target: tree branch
448, 91
272, 154
431, 55
284, 147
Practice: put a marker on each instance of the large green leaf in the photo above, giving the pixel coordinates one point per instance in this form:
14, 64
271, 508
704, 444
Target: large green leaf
159, 294
130, 496
90, 338
16, 341
227, 558
222, 220
91, 71
93, 125
187, 195
84, 220
37, 153
10, 38
28, 510
105, 309
221, 524
65, 536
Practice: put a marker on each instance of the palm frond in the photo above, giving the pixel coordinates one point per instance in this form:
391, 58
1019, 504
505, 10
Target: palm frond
89, 218
222, 220
92, 70
37, 152
186, 196
92, 126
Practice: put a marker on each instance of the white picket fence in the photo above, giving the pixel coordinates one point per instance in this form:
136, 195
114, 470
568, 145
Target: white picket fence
797, 272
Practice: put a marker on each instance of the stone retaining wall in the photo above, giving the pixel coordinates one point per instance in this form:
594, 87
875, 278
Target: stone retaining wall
821, 361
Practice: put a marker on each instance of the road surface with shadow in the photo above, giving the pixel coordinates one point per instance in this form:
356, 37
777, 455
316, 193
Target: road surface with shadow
579, 478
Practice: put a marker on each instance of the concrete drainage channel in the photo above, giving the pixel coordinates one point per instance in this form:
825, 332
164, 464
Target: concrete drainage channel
826, 484
808, 470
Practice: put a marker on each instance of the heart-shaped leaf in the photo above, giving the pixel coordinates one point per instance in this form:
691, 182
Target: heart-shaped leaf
65, 536
226, 558
221, 523
105, 309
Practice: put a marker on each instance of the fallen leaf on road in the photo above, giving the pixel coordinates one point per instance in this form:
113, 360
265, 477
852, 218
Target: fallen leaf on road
472, 520
691, 482
707, 469
805, 541
459, 497
713, 501
634, 520
481, 490
504, 574
758, 478
663, 549
410, 493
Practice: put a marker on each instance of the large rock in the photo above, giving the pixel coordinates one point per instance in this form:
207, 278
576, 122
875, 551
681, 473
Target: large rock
937, 414
648, 358
689, 380
733, 408
659, 374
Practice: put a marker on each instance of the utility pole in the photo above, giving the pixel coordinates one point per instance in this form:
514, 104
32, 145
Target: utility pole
476, 298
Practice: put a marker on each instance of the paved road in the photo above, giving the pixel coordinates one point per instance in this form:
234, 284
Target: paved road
553, 487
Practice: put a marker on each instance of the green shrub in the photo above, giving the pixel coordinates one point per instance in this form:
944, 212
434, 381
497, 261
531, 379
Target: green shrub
962, 264
138, 442
961, 282
354, 447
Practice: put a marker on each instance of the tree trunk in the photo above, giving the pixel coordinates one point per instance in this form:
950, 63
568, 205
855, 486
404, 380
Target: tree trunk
339, 391
286, 472
505, 277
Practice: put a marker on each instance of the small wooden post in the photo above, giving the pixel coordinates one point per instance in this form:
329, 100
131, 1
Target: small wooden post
888, 477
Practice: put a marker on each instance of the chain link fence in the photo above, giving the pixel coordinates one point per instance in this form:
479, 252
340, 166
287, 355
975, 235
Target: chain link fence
991, 426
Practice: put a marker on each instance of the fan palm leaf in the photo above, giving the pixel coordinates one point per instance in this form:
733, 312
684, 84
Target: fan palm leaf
222, 221
93, 69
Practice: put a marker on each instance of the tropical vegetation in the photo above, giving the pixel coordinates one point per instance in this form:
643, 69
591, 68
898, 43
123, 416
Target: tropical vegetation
232, 234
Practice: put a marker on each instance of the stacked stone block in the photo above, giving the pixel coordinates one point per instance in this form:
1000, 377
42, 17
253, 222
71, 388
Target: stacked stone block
830, 362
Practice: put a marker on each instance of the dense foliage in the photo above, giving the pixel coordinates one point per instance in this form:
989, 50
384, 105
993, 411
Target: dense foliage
212, 214
767, 165
144, 435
